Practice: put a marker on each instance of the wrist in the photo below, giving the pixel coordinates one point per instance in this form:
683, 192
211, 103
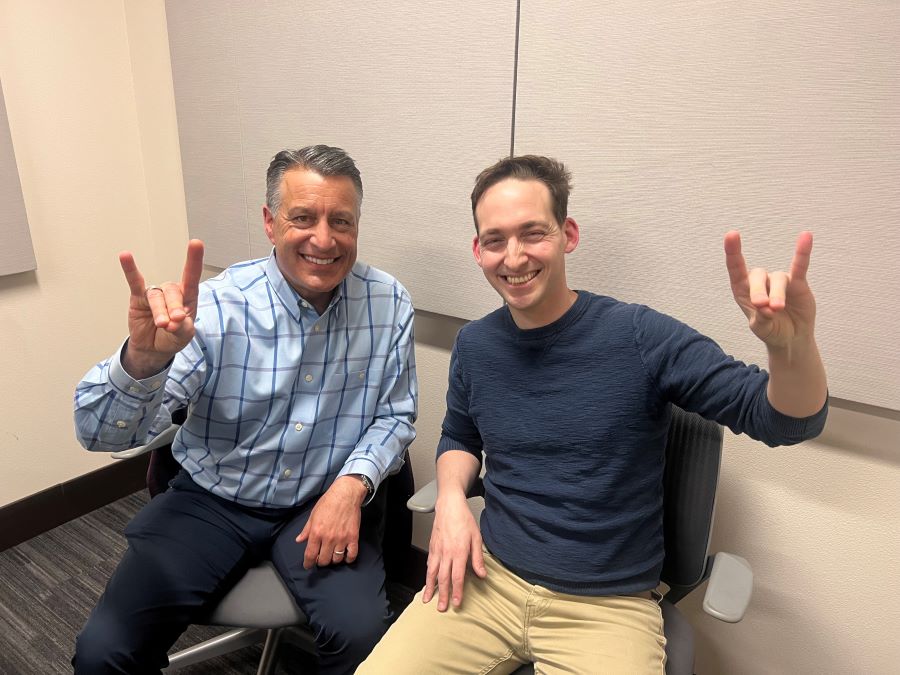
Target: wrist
141, 365
450, 497
362, 486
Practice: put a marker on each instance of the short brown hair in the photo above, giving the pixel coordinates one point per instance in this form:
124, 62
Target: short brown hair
550, 172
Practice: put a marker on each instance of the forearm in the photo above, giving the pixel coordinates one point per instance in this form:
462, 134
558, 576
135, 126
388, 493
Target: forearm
115, 412
456, 473
379, 452
797, 383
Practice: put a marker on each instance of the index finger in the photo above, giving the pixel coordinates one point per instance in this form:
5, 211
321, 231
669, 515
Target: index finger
800, 262
132, 275
313, 549
734, 259
193, 268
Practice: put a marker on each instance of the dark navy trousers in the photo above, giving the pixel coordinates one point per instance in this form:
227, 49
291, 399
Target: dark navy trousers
187, 547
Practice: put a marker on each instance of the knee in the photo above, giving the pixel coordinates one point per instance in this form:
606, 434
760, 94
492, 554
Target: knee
352, 639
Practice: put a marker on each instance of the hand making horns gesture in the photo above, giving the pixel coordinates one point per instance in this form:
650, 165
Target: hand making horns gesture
780, 306
160, 318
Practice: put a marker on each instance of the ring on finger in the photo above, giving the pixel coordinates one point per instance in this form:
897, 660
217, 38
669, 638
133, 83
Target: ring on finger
152, 287
340, 553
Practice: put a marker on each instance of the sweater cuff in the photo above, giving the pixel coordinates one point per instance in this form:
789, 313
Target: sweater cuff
796, 429
447, 443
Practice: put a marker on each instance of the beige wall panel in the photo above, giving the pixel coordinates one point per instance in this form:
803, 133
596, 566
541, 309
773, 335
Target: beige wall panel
16, 254
681, 121
818, 523
204, 61
71, 88
420, 94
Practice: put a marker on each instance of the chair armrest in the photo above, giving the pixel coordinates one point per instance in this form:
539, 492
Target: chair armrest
165, 438
729, 589
424, 499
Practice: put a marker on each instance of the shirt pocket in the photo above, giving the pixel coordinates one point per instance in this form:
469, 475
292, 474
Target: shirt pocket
356, 380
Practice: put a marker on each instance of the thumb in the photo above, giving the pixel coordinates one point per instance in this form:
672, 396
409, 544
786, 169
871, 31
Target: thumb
304, 534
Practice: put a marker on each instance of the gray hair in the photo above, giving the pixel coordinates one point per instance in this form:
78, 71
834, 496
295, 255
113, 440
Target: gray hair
322, 159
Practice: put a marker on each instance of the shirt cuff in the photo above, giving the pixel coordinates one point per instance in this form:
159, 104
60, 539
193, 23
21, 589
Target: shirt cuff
142, 390
367, 468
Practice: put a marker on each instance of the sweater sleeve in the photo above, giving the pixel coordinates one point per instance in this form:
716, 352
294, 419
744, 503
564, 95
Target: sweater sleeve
458, 431
691, 371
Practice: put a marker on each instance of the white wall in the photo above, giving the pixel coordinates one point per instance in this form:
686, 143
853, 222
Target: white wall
89, 96
91, 114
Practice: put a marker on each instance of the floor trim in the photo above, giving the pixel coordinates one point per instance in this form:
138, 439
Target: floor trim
28, 517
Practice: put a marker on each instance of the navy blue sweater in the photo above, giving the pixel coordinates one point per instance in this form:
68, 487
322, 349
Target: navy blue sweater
573, 417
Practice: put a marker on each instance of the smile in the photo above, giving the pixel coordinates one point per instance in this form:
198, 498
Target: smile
520, 279
317, 261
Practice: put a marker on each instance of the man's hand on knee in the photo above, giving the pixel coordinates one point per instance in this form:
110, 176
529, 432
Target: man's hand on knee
455, 540
332, 531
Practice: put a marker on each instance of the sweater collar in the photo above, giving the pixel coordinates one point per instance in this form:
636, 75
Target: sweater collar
571, 316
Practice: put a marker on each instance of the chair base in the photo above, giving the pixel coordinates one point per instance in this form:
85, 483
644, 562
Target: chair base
228, 642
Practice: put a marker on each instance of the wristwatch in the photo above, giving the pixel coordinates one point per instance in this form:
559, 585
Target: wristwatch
370, 488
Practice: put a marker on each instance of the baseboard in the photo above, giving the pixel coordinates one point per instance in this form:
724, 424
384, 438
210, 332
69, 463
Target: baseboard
44, 510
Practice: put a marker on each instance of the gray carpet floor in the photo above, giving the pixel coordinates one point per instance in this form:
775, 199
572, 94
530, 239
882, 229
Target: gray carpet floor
49, 585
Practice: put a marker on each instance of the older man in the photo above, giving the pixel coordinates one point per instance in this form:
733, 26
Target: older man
568, 395
298, 374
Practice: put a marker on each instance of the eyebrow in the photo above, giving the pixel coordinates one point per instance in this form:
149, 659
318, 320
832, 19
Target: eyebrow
303, 210
524, 226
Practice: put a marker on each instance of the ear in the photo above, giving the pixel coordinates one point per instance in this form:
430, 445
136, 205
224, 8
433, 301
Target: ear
269, 221
570, 229
476, 250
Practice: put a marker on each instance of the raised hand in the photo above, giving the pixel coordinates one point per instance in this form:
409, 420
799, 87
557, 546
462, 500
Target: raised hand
780, 306
160, 318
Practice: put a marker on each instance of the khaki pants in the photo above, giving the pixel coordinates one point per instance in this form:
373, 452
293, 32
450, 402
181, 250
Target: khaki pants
504, 622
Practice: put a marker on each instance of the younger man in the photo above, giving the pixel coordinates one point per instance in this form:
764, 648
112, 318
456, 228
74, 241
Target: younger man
568, 395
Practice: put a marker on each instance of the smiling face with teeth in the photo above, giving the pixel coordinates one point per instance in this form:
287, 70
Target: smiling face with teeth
521, 249
314, 232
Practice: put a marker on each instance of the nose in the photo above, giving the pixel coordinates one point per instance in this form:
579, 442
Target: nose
515, 253
322, 236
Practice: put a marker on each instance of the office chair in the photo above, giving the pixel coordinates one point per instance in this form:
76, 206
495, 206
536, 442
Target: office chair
259, 606
693, 455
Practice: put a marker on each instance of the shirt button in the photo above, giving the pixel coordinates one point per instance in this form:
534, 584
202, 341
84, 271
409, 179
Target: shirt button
298, 426
287, 473
121, 424
133, 390
308, 378
317, 328
304, 304
362, 375
154, 385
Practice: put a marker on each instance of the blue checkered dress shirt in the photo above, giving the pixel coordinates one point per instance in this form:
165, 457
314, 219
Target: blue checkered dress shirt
281, 400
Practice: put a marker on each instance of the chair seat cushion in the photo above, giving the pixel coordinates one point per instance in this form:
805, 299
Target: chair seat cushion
679, 641
259, 600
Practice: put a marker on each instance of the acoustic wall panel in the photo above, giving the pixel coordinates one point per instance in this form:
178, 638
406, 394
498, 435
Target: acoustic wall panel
683, 120
420, 94
201, 43
16, 253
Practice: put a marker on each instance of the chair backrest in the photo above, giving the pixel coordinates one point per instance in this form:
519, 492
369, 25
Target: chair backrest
693, 456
